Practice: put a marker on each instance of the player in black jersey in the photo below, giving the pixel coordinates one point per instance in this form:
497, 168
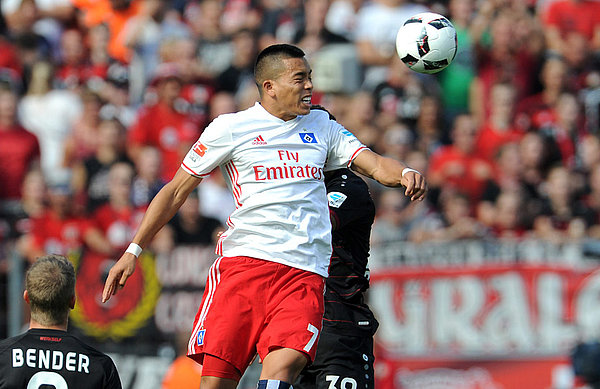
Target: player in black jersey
345, 350
46, 356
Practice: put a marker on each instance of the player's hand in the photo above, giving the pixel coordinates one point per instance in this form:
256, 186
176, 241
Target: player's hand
415, 185
118, 275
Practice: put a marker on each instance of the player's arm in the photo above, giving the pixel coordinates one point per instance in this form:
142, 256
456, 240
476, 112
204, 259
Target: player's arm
388, 172
161, 209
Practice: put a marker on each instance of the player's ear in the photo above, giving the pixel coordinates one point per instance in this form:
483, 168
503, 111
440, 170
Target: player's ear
26, 296
72, 302
268, 87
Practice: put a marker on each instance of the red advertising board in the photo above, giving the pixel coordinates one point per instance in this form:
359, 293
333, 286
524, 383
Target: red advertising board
501, 326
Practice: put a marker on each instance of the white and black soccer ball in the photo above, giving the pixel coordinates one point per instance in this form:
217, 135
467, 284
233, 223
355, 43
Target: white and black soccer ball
426, 42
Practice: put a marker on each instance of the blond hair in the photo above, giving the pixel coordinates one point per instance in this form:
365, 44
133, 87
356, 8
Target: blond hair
50, 285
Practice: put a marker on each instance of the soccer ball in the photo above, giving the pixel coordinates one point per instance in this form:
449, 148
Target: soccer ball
426, 43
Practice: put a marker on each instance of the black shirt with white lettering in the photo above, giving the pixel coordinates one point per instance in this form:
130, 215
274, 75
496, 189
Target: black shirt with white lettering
54, 359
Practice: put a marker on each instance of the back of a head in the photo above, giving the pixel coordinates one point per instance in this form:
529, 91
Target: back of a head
50, 284
269, 64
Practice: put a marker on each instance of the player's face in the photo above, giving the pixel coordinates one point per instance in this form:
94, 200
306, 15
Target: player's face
293, 89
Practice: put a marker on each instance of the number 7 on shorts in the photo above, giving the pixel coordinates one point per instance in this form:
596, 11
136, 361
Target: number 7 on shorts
313, 338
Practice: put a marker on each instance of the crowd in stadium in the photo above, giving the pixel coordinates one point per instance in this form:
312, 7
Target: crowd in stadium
100, 100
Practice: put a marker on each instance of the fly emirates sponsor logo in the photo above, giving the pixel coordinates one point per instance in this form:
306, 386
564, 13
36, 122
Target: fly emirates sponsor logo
290, 168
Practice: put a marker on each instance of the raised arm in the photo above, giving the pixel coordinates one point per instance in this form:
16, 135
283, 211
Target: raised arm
162, 208
388, 172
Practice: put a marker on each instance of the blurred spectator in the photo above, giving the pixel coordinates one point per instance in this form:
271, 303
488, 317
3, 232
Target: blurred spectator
96, 40
20, 16
455, 81
32, 206
428, 128
359, 117
34, 194
377, 46
83, 140
75, 68
163, 124
144, 34
536, 158
565, 129
114, 92
147, 182
313, 34
499, 128
399, 96
90, 176
454, 222
115, 14
342, 17
222, 102
457, 165
10, 64
280, 22
588, 153
562, 18
119, 218
534, 111
582, 65
509, 220
45, 17
58, 230
50, 114
189, 227
396, 142
19, 151
31, 48
240, 15
241, 70
591, 200
508, 170
391, 222
563, 217
418, 160
198, 89
506, 58
246, 97
213, 46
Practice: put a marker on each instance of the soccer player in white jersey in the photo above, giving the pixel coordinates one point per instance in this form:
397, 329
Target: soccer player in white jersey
264, 293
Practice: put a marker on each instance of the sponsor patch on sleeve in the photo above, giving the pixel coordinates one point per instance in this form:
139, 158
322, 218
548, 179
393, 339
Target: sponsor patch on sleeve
336, 199
200, 337
199, 149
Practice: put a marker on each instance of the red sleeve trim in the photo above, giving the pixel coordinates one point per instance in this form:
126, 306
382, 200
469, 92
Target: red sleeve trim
356, 154
190, 171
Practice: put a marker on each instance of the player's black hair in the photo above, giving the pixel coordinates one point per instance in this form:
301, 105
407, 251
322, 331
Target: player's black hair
268, 59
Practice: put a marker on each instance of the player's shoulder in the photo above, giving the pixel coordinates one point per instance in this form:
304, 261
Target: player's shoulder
7, 343
321, 112
84, 347
235, 120
317, 120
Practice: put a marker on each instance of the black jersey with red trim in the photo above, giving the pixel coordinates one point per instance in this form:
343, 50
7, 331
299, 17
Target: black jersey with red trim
54, 359
352, 212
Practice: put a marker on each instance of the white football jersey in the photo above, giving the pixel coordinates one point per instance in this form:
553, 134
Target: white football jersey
275, 170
